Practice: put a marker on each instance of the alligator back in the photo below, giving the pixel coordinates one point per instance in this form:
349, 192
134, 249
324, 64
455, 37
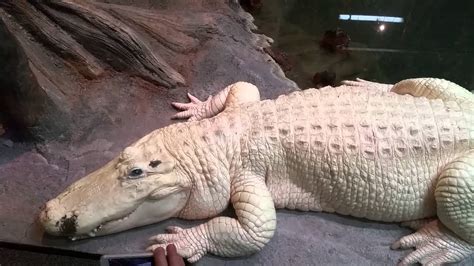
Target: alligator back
365, 153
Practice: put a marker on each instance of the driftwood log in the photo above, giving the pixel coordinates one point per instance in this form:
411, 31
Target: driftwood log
54, 51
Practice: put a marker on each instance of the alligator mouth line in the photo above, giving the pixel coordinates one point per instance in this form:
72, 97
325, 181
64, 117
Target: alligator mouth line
100, 226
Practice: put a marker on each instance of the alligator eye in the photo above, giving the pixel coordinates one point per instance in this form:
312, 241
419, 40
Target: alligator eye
135, 173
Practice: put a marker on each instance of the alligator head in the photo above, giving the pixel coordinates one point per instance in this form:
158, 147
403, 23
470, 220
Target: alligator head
139, 187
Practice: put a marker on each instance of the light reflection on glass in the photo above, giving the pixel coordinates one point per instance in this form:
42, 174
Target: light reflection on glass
371, 18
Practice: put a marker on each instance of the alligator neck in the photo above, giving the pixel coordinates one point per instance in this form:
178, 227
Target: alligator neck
204, 153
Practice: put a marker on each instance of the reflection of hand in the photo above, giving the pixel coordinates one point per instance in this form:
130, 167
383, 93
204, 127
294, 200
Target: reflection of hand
168, 258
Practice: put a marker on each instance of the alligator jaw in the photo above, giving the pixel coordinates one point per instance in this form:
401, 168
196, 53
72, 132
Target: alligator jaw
96, 231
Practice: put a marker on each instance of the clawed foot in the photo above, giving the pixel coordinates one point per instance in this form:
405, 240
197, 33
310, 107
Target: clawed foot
193, 110
368, 84
435, 245
187, 241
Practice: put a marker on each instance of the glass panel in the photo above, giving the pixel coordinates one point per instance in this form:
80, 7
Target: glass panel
387, 40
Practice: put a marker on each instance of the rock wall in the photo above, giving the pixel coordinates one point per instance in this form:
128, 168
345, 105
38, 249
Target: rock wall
62, 57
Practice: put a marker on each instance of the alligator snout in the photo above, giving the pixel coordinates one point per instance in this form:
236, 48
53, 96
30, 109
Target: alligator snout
57, 221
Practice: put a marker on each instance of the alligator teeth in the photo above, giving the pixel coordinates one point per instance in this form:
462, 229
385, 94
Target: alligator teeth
91, 234
73, 238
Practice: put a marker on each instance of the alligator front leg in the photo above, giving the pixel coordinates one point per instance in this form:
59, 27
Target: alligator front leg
239, 92
225, 236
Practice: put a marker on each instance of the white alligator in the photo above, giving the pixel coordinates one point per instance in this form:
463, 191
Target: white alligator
392, 153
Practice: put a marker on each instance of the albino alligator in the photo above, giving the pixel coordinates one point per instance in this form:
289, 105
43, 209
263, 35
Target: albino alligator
401, 153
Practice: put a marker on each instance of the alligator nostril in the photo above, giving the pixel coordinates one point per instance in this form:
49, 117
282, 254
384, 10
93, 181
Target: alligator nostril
43, 208
48, 206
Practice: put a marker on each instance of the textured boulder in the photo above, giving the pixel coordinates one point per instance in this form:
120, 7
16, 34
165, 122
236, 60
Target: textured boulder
61, 54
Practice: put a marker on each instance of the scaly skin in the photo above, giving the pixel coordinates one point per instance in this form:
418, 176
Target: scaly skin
363, 150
